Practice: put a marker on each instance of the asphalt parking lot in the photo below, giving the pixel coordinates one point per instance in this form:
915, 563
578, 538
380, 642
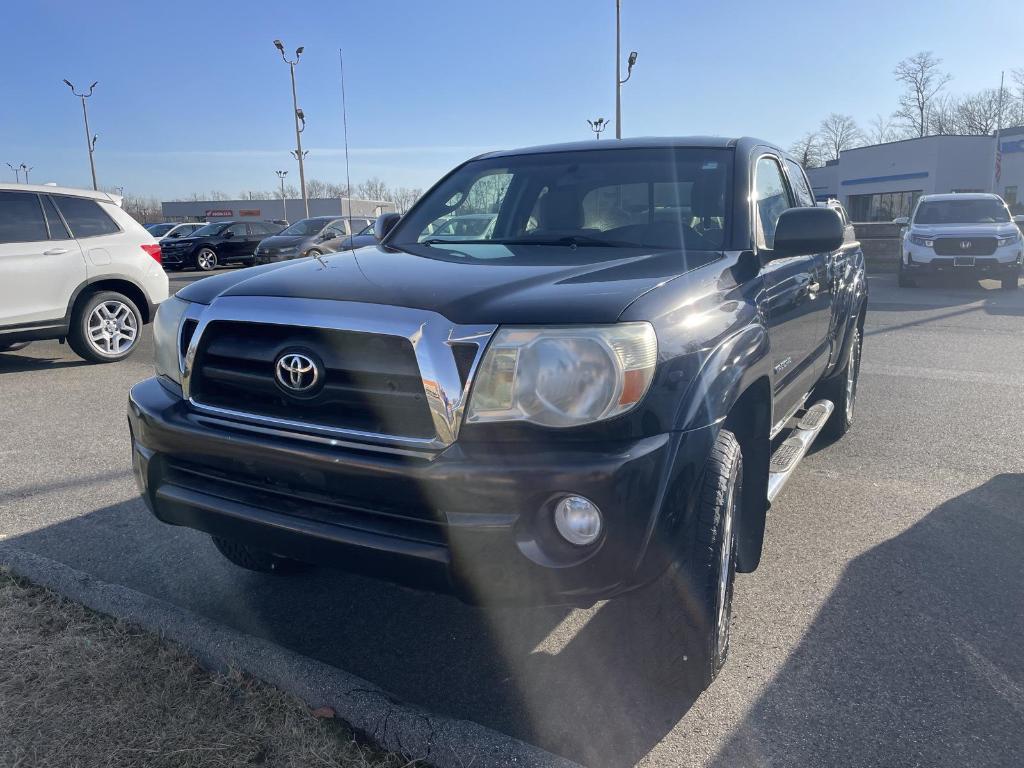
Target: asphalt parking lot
883, 627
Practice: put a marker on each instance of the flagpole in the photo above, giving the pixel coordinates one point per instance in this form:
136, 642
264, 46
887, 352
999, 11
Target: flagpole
997, 160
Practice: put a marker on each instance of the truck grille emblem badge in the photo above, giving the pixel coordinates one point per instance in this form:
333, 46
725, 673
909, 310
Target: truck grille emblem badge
296, 372
965, 244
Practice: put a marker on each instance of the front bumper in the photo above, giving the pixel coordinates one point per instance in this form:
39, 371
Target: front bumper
174, 258
923, 260
474, 520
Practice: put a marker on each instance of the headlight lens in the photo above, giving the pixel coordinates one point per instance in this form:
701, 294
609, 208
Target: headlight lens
564, 377
1008, 240
927, 242
165, 337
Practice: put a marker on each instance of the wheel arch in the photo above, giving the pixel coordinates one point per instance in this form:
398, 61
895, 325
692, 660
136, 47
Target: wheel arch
750, 421
122, 285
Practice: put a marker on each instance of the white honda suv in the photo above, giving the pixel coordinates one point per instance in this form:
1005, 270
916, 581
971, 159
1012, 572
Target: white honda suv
74, 266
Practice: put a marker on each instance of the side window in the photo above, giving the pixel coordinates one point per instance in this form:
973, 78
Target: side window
21, 218
85, 217
238, 230
802, 189
771, 198
57, 229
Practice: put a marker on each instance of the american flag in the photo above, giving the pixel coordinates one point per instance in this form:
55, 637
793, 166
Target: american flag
999, 160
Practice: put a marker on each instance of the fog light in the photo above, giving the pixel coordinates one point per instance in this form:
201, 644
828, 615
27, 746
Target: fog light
578, 520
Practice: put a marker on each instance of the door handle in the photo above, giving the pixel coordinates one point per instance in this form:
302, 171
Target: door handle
55, 252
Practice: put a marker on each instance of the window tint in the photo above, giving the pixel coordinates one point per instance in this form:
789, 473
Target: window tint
801, 188
57, 229
772, 198
21, 218
85, 217
238, 230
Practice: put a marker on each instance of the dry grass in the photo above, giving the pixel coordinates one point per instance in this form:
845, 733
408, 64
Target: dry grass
81, 689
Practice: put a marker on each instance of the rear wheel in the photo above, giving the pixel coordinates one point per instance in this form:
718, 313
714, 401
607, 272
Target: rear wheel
206, 260
902, 279
105, 327
842, 391
1011, 282
252, 559
679, 626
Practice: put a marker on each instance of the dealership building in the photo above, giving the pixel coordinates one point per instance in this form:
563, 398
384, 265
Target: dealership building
290, 209
883, 181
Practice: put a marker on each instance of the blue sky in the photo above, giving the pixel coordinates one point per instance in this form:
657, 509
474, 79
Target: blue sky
193, 96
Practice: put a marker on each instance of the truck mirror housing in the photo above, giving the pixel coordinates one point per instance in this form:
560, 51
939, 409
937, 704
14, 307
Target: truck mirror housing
384, 224
803, 231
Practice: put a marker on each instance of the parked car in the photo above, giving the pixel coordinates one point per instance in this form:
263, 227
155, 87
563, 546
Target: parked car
303, 238
217, 243
360, 239
179, 231
969, 234
598, 396
159, 230
74, 266
466, 227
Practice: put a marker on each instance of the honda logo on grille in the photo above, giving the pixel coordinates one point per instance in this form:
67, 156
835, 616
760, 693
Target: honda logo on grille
297, 373
965, 244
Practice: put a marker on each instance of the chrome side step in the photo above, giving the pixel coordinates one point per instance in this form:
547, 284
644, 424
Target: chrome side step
787, 456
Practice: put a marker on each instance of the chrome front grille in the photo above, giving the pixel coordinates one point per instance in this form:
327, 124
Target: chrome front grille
392, 375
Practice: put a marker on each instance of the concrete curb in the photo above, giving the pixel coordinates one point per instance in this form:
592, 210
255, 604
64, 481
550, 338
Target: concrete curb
443, 742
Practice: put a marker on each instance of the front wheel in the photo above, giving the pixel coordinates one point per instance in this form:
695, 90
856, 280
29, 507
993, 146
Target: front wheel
902, 279
1011, 282
679, 626
206, 260
105, 327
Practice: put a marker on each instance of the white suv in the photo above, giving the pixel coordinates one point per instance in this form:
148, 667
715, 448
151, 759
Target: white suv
74, 266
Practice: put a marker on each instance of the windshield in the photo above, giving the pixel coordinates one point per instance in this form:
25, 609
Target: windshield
306, 227
210, 229
978, 211
159, 229
617, 198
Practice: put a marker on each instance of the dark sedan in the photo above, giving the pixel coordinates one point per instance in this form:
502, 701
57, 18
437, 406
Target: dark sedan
361, 238
308, 237
220, 242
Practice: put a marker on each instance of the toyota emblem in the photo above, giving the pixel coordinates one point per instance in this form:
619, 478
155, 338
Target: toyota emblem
297, 373
965, 244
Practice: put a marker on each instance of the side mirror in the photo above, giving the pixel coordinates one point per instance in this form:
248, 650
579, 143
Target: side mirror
803, 231
901, 220
384, 224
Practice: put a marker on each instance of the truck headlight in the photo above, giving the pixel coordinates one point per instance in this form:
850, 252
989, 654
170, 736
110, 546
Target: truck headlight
166, 326
1008, 240
564, 377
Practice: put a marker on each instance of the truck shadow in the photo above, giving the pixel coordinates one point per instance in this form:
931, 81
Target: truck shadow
915, 659
566, 680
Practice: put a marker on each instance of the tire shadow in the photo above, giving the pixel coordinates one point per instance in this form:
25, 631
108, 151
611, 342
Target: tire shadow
916, 659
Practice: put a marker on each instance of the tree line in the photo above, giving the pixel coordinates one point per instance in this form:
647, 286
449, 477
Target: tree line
925, 108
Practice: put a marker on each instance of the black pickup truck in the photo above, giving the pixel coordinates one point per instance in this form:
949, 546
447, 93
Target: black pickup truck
597, 398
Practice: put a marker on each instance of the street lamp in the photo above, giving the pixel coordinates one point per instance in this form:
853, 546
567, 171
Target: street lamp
619, 82
299, 117
284, 200
90, 139
17, 172
25, 169
598, 125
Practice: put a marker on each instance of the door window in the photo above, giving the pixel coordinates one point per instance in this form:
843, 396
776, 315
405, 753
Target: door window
771, 198
21, 218
57, 229
85, 217
801, 188
238, 230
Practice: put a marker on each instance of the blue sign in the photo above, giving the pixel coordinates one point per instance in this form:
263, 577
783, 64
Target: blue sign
1009, 147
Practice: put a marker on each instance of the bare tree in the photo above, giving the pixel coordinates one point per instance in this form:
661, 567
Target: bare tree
373, 189
943, 117
881, 130
923, 80
807, 149
978, 113
839, 132
1013, 109
404, 197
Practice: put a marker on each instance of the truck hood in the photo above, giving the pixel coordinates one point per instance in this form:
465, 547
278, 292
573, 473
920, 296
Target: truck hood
470, 284
1003, 229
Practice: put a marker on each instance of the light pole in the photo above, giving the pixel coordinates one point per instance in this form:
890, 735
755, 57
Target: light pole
284, 200
299, 117
619, 82
598, 125
90, 139
17, 172
25, 169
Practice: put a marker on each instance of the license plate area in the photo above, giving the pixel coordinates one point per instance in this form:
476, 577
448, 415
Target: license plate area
963, 261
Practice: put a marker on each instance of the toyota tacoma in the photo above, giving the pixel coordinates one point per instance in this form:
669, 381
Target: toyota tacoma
597, 397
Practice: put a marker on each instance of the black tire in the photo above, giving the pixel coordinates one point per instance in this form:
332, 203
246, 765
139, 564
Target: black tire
113, 343
841, 389
206, 259
257, 560
173, 267
901, 276
248, 262
1011, 282
679, 626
